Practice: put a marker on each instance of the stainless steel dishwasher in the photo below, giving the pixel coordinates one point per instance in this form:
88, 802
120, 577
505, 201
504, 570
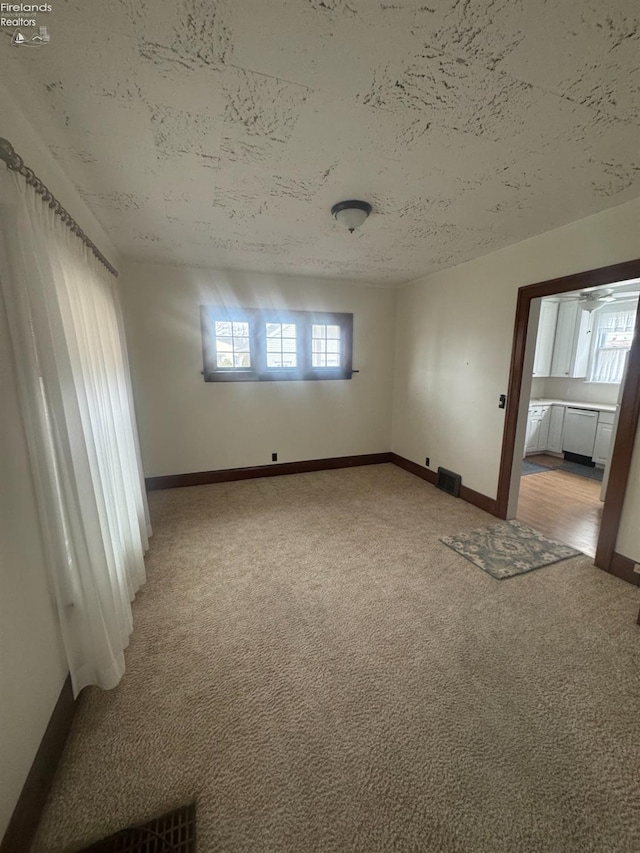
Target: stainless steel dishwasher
579, 433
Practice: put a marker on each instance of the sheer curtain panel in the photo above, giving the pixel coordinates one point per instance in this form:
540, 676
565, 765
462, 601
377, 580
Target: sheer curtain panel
614, 333
73, 375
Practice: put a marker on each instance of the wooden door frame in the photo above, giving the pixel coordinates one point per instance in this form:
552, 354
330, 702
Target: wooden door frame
629, 414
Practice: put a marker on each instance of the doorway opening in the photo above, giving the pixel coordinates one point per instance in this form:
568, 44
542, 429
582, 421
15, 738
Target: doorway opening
572, 410
581, 345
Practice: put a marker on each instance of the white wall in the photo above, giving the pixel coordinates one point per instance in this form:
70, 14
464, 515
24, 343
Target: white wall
32, 662
188, 425
537, 385
455, 331
579, 391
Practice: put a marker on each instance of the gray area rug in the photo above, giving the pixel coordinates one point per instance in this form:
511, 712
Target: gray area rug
533, 468
582, 470
530, 467
509, 548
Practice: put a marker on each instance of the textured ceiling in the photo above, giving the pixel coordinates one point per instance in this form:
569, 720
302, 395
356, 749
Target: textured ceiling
220, 133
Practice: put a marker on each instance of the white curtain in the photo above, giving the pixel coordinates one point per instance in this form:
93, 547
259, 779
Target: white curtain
614, 332
73, 375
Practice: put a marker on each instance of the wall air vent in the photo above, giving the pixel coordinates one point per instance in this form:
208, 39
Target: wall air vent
449, 482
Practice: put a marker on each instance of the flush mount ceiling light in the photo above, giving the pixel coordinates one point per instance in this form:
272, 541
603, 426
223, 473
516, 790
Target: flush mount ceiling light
351, 214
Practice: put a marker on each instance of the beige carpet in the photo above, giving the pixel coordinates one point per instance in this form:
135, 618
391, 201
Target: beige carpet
321, 674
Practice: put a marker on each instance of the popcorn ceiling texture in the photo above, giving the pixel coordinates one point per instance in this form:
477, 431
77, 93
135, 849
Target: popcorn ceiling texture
322, 675
220, 132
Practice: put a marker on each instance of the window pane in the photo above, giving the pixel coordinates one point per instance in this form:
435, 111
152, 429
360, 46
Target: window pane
333, 360
223, 329
273, 330
333, 346
289, 345
233, 352
617, 340
290, 360
333, 331
318, 360
274, 359
318, 331
273, 345
288, 330
319, 346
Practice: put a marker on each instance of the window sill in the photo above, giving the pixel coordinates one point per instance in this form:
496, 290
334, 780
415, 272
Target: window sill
278, 376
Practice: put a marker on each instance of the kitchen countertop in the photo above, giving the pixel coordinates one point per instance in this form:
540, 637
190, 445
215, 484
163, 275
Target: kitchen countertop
595, 407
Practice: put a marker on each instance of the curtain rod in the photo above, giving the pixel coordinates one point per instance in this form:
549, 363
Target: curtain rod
15, 162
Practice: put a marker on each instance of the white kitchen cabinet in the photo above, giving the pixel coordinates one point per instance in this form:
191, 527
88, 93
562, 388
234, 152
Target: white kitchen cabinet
533, 431
602, 446
545, 338
543, 433
572, 341
556, 423
604, 436
556, 428
537, 429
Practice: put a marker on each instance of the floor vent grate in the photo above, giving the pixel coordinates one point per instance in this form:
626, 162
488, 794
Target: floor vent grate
449, 482
172, 833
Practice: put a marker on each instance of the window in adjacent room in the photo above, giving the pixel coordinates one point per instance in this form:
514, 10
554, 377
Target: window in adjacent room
247, 344
613, 335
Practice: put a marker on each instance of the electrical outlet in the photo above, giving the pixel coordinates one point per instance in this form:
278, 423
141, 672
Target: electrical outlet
427, 461
274, 457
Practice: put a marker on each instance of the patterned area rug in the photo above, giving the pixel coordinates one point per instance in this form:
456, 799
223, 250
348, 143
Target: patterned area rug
509, 548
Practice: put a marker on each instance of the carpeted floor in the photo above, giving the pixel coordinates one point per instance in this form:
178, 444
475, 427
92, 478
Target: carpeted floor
320, 673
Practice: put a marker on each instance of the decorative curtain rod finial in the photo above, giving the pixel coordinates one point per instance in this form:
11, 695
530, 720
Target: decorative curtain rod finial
9, 156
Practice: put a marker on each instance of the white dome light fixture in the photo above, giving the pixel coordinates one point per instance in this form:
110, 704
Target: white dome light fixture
591, 305
593, 300
351, 214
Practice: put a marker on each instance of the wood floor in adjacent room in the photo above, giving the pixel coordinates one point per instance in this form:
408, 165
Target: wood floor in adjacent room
562, 505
